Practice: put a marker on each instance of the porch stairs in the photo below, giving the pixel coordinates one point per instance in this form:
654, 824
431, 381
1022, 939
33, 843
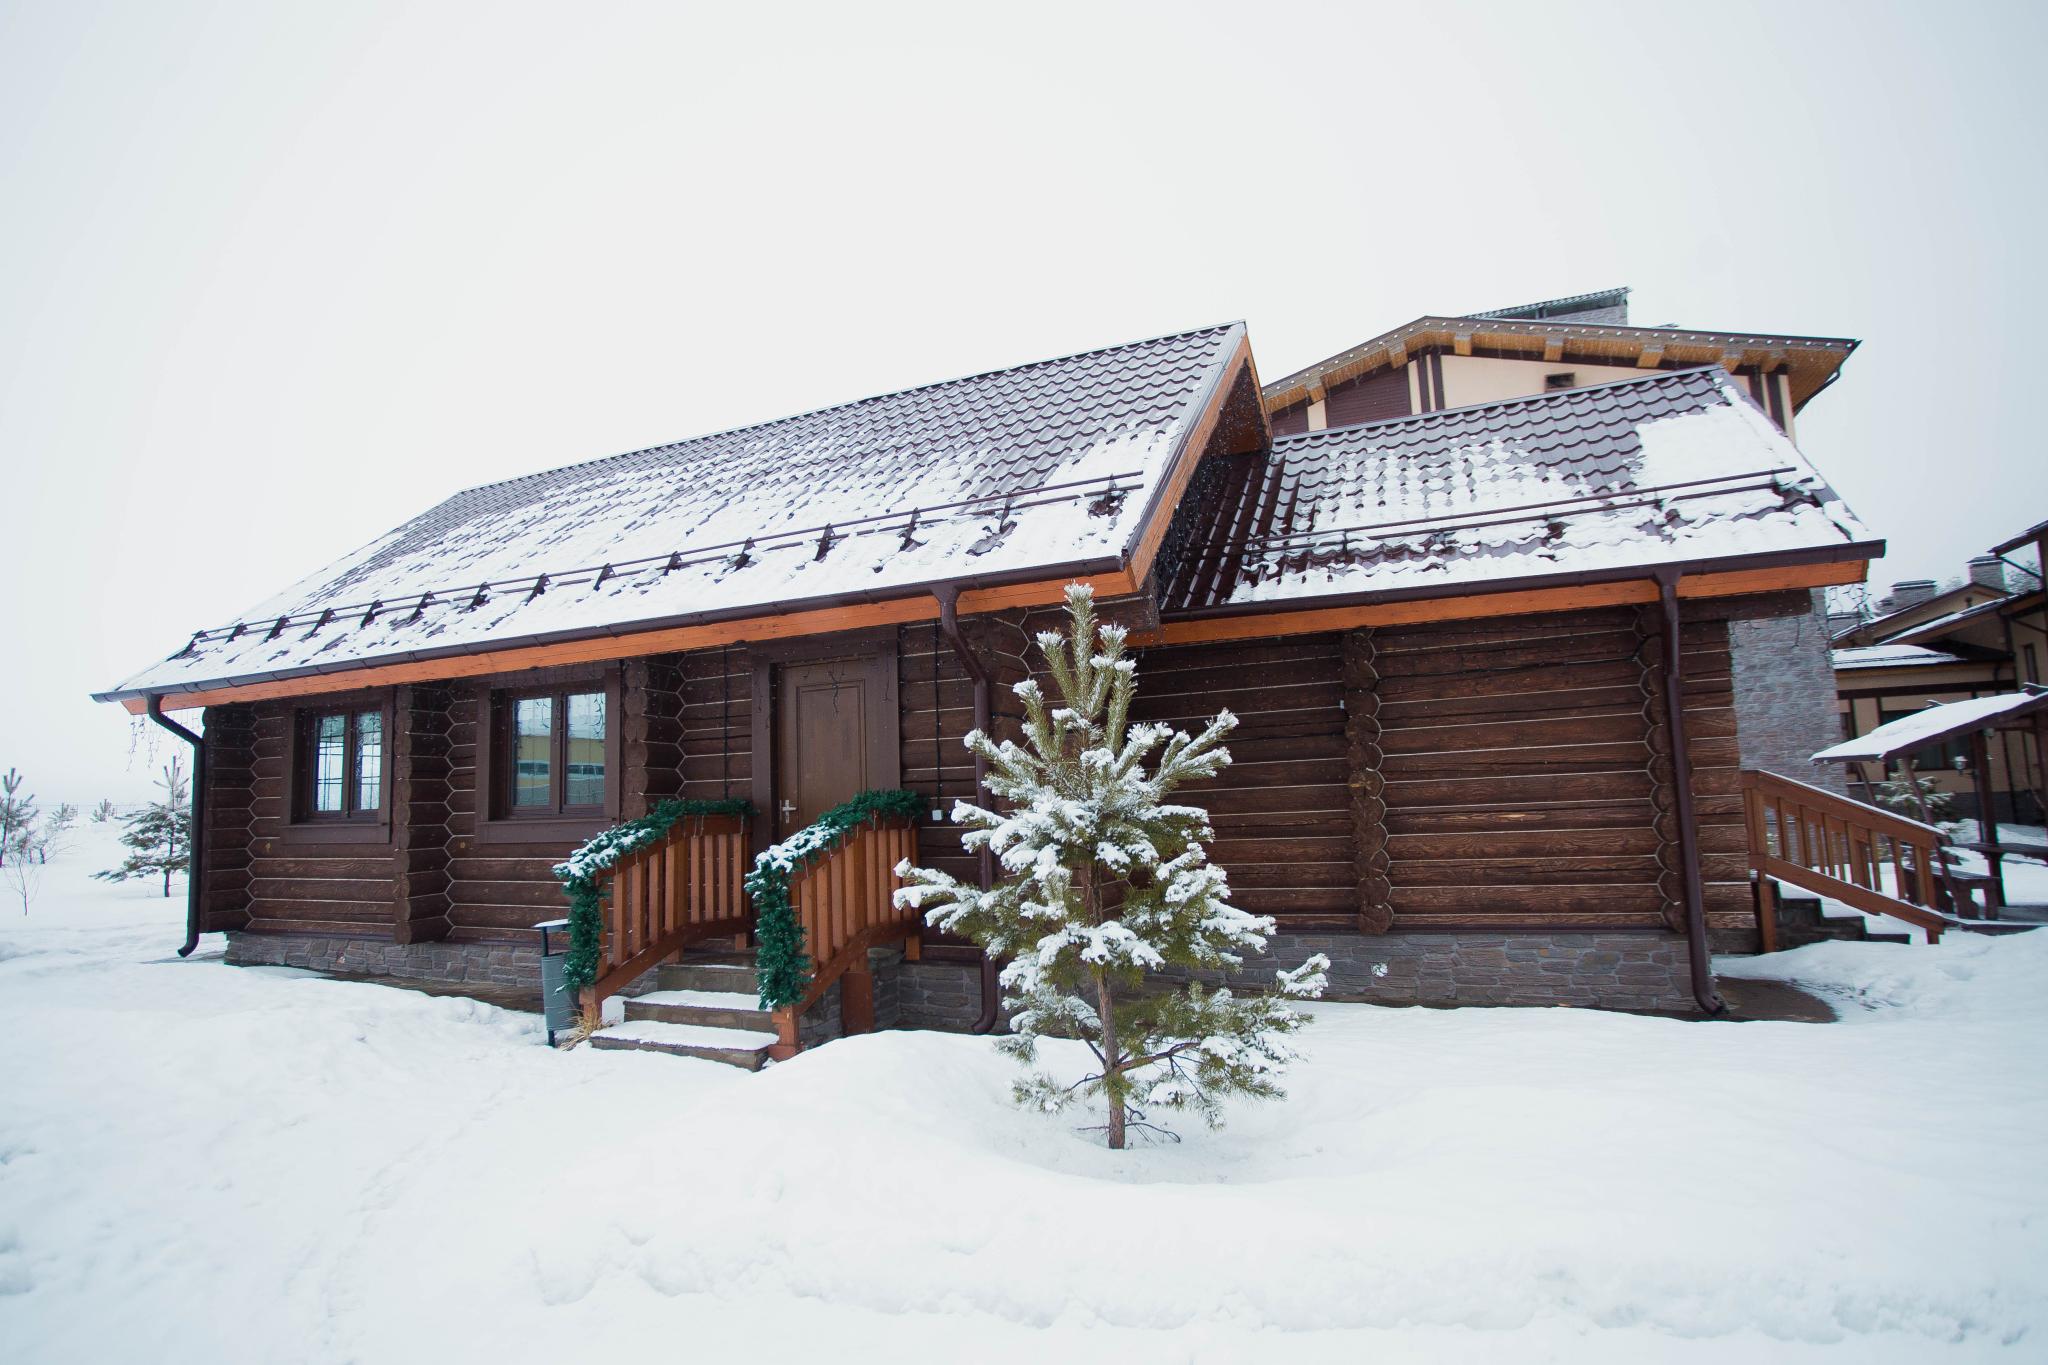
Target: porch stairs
1801, 921
704, 1006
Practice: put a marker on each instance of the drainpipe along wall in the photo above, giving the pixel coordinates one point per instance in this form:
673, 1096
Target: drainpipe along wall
195, 860
1681, 782
949, 622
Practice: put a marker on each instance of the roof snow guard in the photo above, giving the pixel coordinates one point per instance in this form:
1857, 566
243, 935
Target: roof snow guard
1044, 470
1678, 468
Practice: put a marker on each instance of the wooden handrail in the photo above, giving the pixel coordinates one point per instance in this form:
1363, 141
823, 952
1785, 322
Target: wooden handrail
1836, 847
659, 899
845, 901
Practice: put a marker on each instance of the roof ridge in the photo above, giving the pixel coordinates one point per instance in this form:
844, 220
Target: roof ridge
1503, 314
1222, 327
1552, 396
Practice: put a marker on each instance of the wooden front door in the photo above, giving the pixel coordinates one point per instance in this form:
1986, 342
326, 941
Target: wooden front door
822, 745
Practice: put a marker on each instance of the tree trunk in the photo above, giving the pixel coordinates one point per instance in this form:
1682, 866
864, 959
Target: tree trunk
1112, 1062
167, 882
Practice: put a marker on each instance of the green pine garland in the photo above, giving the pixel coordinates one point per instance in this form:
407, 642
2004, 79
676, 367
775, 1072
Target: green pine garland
583, 871
783, 969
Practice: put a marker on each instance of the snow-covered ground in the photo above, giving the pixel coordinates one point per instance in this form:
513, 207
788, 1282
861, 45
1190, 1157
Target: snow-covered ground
199, 1163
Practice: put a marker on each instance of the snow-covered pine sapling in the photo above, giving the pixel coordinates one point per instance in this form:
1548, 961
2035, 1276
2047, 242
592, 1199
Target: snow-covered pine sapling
103, 812
17, 814
1107, 885
159, 836
55, 835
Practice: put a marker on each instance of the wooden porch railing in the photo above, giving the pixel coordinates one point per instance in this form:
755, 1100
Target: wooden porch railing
668, 895
845, 901
1836, 847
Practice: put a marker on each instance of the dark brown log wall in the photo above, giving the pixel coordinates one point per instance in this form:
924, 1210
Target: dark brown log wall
715, 724
1511, 772
935, 701
334, 888
1282, 809
1525, 771
230, 796
1488, 774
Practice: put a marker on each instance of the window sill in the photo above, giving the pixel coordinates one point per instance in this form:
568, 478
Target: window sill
568, 830
337, 832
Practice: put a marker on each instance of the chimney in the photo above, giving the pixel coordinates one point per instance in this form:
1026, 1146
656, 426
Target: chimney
1910, 593
1988, 571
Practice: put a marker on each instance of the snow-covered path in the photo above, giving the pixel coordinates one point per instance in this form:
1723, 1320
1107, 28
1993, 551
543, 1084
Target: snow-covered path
204, 1163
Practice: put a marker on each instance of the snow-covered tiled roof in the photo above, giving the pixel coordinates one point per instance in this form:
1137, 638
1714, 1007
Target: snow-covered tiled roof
1678, 467
1940, 625
1037, 471
1892, 656
1934, 724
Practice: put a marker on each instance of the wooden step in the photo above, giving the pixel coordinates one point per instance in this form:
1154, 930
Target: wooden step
743, 1048
707, 1009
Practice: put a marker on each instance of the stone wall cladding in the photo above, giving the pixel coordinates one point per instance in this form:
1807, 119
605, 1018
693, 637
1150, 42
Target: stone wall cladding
943, 995
492, 964
1603, 969
1590, 968
1785, 696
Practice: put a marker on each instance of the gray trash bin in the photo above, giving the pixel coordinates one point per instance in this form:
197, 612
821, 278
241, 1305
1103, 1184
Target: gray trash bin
557, 1001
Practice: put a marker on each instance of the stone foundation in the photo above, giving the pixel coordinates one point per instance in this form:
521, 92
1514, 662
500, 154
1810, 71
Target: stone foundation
943, 995
484, 964
1629, 971
1645, 971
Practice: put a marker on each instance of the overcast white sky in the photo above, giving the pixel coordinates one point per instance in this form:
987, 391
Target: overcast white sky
274, 277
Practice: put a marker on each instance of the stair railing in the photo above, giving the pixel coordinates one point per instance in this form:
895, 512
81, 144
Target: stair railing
658, 900
1837, 848
845, 901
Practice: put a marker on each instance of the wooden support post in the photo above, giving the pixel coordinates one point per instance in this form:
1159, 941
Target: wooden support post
857, 998
1987, 822
1766, 892
785, 1045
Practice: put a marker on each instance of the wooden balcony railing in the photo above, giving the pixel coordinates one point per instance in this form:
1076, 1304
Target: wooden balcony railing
845, 901
1838, 848
660, 899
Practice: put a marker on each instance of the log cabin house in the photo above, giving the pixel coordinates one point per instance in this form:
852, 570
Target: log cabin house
1484, 591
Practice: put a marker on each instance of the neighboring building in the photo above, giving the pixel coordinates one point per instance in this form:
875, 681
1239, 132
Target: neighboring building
1436, 362
1444, 633
1981, 636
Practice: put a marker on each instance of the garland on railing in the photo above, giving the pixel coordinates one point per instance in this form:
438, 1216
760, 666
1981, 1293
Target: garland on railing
583, 871
783, 969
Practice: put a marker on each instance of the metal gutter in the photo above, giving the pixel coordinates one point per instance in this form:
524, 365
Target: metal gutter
1681, 783
195, 867
949, 622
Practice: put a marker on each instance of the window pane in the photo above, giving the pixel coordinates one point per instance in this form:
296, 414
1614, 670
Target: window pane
369, 759
586, 749
533, 721
330, 743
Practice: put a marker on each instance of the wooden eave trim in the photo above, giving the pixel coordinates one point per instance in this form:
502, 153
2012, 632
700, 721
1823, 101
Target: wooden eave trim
1166, 499
605, 648
1618, 592
1810, 360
